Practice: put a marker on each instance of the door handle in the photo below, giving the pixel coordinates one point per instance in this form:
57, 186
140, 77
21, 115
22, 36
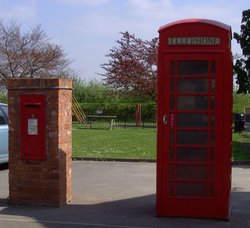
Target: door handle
165, 119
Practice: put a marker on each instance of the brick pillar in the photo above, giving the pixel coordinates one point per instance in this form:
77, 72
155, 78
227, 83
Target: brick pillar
34, 180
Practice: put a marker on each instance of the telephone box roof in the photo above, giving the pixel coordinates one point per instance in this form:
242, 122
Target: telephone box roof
197, 20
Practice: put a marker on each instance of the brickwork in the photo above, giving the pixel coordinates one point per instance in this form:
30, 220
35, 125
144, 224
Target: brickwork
42, 182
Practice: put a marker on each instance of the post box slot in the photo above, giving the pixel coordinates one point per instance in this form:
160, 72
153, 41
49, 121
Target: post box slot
32, 105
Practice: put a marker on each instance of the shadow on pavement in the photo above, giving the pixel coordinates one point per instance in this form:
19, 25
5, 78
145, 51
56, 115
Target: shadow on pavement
134, 212
134, 205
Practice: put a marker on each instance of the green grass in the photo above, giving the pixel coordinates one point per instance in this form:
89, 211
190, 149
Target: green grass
240, 101
117, 143
241, 146
135, 143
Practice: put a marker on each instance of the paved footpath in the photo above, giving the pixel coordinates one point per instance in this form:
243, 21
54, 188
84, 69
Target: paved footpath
118, 194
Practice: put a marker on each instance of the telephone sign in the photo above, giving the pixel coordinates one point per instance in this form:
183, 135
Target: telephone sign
188, 40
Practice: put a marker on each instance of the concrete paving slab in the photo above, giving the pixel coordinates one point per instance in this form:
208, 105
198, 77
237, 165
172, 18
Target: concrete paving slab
118, 194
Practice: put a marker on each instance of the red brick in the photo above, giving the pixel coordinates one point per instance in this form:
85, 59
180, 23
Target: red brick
42, 182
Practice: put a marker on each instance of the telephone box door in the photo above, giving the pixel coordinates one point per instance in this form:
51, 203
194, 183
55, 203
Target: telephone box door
192, 135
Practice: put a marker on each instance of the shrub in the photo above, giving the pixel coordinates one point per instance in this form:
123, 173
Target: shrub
240, 101
123, 111
3, 98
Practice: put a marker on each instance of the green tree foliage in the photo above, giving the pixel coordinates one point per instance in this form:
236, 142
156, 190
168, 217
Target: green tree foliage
3, 97
92, 91
95, 91
94, 95
242, 64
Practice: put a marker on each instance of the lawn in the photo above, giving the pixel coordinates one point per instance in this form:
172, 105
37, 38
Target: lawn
241, 146
135, 143
117, 143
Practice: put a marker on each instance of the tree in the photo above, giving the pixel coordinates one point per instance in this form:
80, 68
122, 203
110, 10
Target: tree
29, 54
91, 91
242, 64
132, 66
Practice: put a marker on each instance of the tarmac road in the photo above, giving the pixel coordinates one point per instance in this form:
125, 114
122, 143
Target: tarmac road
118, 194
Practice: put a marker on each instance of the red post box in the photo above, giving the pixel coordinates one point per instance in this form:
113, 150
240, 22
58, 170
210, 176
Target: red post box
32, 127
194, 119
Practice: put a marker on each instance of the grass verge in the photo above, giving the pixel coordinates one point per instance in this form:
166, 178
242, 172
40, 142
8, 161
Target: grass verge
117, 143
241, 146
133, 143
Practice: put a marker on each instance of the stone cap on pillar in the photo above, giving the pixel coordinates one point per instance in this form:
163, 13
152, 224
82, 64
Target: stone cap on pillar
39, 83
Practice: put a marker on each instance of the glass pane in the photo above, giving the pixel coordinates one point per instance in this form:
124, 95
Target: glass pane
191, 189
213, 85
192, 137
213, 68
194, 172
191, 154
211, 172
171, 103
5, 110
2, 120
212, 124
212, 137
172, 68
171, 136
192, 85
194, 68
211, 154
192, 103
171, 188
171, 154
172, 85
212, 103
171, 173
192, 120
211, 190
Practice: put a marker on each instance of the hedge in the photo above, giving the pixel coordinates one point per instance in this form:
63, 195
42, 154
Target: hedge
123, 111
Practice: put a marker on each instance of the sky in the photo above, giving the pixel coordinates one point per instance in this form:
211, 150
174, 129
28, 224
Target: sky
88, 29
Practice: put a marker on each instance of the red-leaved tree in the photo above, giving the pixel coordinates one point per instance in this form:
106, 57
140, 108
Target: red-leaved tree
132, 66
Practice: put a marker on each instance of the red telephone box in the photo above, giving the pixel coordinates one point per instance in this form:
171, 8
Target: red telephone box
194, 119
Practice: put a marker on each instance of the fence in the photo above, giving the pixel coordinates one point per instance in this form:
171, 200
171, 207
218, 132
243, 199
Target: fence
101, 124
133, 125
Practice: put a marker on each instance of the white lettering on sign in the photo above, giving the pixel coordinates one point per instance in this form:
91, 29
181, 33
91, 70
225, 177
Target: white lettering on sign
187, 40
32, 127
